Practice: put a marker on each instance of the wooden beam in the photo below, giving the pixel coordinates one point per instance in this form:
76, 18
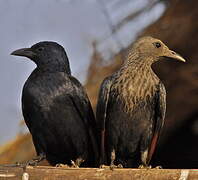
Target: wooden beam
49, 173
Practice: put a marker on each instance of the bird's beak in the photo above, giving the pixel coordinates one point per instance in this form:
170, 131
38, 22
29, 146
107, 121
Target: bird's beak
173, 55
26, 52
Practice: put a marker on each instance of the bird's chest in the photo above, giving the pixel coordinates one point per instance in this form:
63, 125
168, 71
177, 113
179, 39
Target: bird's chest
42, 92
136, 94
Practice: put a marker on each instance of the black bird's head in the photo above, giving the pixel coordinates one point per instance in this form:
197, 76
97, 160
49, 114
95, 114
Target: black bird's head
48, 56
152, 49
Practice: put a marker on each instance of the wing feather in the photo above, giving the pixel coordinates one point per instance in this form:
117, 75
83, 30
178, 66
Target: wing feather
160, 111
101, 113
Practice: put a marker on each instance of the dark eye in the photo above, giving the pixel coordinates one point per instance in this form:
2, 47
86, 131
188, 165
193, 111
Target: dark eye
40, 49
157, 45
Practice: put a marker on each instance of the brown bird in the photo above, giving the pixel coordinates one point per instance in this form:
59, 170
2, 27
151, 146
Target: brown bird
131, 106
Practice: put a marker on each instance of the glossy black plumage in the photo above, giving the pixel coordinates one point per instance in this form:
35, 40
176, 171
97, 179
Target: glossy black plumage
131, 106
56, 108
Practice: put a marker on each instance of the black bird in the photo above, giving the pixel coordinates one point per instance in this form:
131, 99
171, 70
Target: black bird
131, 106
56, 108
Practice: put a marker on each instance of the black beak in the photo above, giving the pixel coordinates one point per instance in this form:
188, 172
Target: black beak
26, 52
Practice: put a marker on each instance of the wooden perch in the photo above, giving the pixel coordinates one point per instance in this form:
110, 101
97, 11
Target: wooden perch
49, 173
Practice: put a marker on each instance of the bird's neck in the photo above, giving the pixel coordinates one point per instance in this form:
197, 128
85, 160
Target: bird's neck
54, 66
134, 81
136, 67
49, 69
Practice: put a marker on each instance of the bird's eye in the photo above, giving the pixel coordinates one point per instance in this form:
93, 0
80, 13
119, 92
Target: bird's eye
40, 49
157, 45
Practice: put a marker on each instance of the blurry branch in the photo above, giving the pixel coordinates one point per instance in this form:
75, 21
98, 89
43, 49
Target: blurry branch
116, 27
66, 1
132, 16
110, 23
121, 3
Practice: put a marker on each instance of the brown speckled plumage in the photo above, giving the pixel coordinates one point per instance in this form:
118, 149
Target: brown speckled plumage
131, 106
134, 82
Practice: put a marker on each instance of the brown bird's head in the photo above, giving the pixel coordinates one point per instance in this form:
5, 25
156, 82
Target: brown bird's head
153, 49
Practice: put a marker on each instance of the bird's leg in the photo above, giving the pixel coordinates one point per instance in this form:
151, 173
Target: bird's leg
112, 165
77, 163
36, 160
144, 157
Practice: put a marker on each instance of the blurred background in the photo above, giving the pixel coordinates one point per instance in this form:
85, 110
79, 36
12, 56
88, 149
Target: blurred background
96, 35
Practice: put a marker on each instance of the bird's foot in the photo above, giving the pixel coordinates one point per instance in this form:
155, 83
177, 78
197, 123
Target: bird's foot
62, 165
103, 166
158, 167
77, 163
74, 164
120, 166
144, 167
26, 164
31, 163
113, 166
35, 160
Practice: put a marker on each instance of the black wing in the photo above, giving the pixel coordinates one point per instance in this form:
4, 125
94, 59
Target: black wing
83, 106
101, 113
160, 111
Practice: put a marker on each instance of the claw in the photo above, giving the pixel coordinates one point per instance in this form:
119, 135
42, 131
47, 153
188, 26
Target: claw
32, 163
77, 163
113, 166
36, 160
120, 166
102, 166
74, 165
158, 167
62, 165
144, 167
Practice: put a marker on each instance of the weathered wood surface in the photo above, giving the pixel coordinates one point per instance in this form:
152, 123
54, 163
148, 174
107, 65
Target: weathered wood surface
49, 173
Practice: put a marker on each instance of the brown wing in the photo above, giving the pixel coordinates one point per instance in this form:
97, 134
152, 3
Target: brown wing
160, 111
101, 112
